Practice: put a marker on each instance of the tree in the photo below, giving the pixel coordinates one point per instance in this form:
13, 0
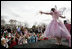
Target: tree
13, 22
2, 20
34, 26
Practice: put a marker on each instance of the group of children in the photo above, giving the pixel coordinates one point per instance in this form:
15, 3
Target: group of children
17, 37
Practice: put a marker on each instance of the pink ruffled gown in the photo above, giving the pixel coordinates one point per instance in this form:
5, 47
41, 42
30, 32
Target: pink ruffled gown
56, 28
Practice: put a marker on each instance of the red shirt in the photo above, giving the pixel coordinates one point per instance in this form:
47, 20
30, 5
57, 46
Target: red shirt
68, 26
13, 44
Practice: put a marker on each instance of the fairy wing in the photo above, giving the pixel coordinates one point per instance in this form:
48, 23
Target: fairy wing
55, 7
62, 10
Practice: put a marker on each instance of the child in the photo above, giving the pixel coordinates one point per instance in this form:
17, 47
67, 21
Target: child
3, 42
25, 31
24, 39
13, 42
33, 38
56, 28
6, 39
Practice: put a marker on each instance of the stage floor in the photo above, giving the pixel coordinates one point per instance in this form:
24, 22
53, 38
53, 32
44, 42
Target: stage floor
44, 44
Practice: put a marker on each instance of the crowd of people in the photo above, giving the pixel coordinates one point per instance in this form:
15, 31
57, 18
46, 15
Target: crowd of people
20, 35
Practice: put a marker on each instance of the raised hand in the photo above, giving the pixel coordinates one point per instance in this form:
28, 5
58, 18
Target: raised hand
41, 12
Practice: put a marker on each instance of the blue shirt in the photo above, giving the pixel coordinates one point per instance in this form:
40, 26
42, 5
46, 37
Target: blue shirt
18, 29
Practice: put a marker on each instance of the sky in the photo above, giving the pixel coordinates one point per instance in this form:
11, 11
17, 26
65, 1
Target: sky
28, 11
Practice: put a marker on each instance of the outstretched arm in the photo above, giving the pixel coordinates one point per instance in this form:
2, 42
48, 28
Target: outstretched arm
44, 13
62, 16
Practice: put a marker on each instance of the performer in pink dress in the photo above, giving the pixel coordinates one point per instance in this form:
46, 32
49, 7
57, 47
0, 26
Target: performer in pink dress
56, 29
